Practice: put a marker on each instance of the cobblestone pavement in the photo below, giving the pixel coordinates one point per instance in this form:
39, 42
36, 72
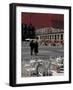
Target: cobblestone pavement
44, 51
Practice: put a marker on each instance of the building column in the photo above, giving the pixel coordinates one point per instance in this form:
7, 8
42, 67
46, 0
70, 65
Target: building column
59, 37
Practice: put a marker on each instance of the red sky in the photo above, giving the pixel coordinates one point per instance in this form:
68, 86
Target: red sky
43, 20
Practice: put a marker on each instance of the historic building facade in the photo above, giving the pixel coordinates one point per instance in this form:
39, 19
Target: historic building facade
51, 36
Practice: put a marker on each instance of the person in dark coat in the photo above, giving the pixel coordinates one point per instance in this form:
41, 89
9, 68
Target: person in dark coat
36, 47
31, 47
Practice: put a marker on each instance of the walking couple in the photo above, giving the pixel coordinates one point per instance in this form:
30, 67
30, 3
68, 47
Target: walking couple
34, 46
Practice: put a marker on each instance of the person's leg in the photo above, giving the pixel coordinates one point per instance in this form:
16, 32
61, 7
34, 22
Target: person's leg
35, 53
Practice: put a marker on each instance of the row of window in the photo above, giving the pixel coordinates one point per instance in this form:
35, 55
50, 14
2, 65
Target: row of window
55, 37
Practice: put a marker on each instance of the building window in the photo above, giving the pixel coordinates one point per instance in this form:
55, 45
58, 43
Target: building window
50, 36
58, 36
61, 36
55, 37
